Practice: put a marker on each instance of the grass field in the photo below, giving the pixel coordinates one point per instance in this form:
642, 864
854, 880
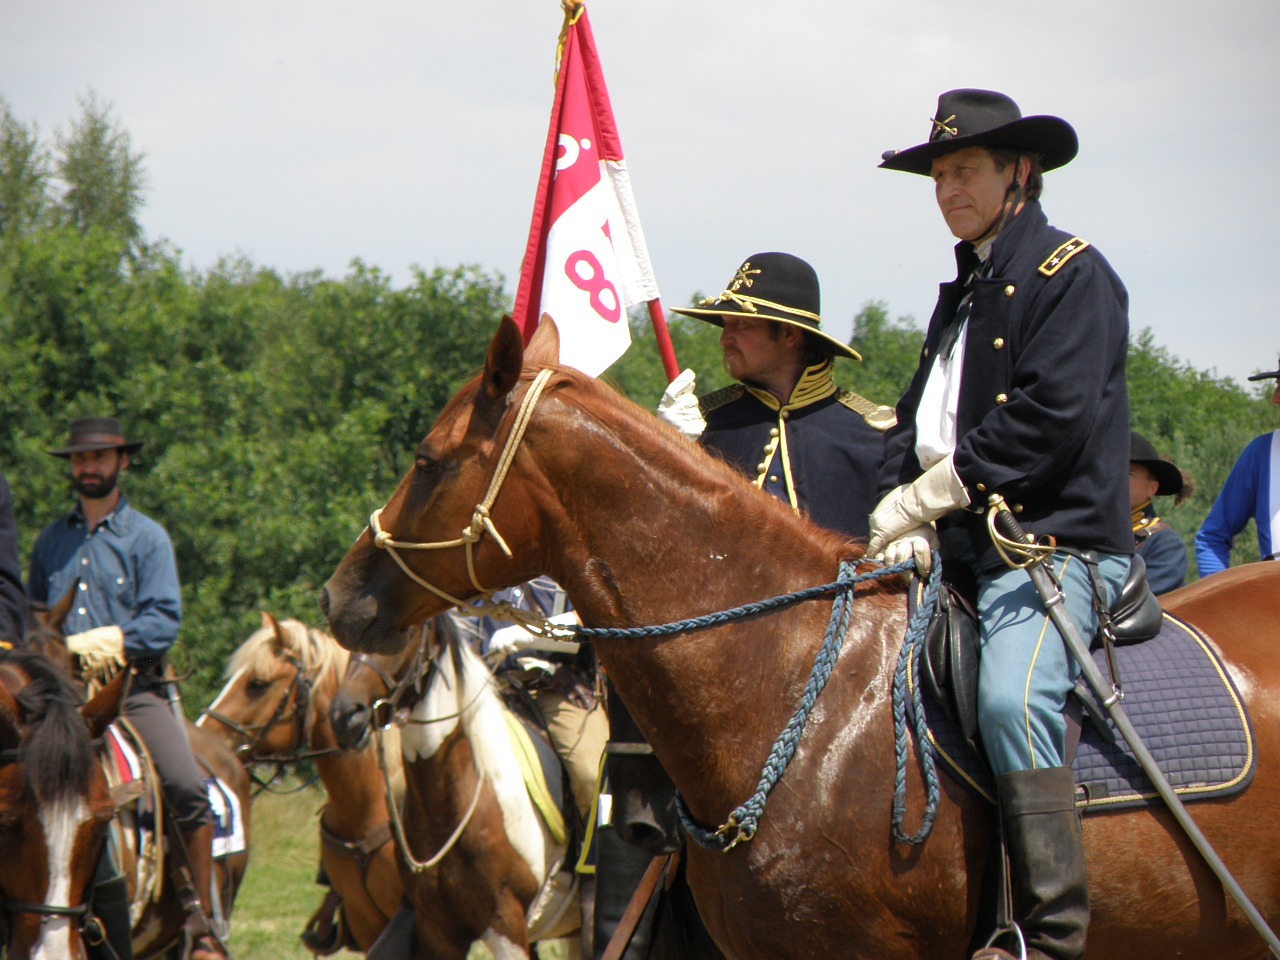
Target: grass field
279, 891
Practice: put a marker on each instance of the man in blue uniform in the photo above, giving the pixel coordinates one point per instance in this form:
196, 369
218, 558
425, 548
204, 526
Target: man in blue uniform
126, 613
1157, 543
785, 424
1252, 491
1020, 391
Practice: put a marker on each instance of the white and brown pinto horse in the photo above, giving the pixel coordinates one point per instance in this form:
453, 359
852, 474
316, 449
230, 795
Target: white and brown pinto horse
274, 709
642, 528
480, 861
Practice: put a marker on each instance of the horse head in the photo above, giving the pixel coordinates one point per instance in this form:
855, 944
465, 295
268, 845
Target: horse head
377, 686
399, 572
55, 805
274, 704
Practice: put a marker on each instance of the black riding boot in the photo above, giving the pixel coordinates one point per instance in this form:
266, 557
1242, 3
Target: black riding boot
1047, 871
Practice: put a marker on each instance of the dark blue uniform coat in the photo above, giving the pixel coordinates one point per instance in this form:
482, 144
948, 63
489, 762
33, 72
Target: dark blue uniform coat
831, 456
1043, 414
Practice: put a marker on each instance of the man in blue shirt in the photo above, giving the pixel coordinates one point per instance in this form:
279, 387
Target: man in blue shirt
1252, 490
126, 614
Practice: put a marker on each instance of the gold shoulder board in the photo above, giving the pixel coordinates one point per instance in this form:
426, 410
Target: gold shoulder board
877, 415
1062, 255
718, 398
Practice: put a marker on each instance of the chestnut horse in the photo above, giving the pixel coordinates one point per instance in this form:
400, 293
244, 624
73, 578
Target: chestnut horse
643, 528
156, 909
274, 708
55, 805
480, 862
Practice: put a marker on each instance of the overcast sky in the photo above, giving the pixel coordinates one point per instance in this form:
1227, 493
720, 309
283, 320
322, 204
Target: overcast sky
304, 133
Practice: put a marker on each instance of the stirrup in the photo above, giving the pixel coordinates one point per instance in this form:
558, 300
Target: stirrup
991, 952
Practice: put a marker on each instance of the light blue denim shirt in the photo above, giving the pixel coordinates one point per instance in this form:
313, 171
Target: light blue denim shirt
127, 576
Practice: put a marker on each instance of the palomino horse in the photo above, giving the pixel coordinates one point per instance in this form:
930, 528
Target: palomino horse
274, 708
55, 805
481, 862
157, 913
643, 528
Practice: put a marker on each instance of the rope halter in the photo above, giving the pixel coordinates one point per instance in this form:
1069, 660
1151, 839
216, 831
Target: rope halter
481, 520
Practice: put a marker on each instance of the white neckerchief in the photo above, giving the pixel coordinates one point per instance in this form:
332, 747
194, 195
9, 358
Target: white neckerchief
936, 413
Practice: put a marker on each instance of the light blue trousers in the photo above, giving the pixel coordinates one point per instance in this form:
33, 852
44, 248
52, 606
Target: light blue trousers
1026, 672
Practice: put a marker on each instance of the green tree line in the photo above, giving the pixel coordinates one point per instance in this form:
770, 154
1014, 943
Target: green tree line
278, 411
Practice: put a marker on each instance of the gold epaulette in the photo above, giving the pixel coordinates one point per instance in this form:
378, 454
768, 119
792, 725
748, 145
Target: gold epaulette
1062, 255
877, 415
718, 398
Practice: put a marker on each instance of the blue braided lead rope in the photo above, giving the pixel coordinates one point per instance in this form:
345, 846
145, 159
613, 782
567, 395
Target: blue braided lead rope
844, 583
909, 658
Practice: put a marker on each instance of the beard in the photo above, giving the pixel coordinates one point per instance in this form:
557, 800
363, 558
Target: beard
95, 486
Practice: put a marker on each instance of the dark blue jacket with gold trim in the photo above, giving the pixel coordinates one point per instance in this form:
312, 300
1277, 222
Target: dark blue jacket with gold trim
820, 452
1044, 406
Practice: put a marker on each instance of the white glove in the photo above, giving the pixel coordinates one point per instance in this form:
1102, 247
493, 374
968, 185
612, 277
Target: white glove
98, 647
514, 638
679, 406
918, 543
936, 492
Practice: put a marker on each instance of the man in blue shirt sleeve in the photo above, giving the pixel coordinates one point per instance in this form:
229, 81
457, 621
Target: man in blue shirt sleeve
1252, 491
126, 614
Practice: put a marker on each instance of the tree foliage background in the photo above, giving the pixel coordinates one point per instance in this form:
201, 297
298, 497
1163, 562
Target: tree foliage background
277, 412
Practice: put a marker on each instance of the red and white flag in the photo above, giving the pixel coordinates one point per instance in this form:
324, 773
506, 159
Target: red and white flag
586, 261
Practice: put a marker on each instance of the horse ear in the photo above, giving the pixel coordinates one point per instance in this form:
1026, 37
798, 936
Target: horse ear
503, 361
58, 612
102, 710
277, 632
544, 347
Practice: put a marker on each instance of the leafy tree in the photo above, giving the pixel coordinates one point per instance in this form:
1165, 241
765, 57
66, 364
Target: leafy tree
24, 176
101, 175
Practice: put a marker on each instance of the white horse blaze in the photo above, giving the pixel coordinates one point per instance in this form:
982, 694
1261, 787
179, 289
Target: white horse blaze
61, 822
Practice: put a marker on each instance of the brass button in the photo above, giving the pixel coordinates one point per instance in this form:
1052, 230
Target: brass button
773, 479
1009, 290
773, 431
926, 353
1017, 508
1002, 398
982, 488
786, 414
998, 343
761, 468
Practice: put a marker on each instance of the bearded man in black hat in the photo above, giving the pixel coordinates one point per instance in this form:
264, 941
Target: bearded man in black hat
1020, 391
1157, 543
1252, 490
786, 424
126, 614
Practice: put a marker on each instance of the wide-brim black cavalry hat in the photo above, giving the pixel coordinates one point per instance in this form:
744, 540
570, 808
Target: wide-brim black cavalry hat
985, 118
1167, 474
772, 286
96, 433
1271, 375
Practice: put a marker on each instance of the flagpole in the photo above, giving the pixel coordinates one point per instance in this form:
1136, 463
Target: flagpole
663, 337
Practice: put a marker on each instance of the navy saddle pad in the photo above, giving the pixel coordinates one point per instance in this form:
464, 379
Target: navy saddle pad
1183, 704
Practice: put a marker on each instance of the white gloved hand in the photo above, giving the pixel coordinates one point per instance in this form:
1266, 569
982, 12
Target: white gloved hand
98, 647
934, 493
512, 639
679, 406
919, 544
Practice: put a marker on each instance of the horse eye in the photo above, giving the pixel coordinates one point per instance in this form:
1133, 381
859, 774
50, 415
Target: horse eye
256, 686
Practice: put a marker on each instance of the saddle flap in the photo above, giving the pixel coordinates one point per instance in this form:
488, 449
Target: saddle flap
950, 662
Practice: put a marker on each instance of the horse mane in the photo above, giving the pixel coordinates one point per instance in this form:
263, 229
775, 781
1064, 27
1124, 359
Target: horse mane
706, 476
322, 658
56, 749
481, 705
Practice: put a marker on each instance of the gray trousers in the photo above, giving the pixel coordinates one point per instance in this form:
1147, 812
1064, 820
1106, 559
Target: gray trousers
181, 778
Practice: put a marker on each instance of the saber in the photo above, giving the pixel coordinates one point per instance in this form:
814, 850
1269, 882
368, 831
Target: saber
1040, 570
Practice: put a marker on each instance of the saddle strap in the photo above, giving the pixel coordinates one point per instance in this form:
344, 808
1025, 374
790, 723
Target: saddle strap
626, 929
